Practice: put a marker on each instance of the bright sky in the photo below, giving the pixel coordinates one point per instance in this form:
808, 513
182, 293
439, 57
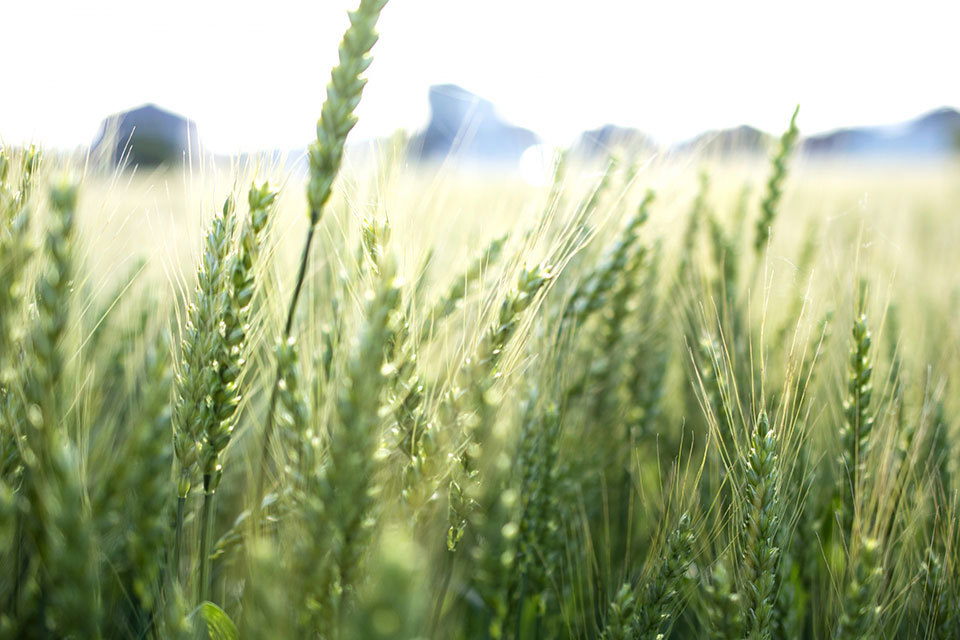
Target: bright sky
252, 74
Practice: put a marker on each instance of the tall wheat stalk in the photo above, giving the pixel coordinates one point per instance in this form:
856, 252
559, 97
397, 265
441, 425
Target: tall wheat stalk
337, 119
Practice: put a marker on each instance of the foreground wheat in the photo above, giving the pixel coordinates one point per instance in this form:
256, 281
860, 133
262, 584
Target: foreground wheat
337, 119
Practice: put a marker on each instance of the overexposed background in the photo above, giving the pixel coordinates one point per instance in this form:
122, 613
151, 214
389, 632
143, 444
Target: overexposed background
252, 74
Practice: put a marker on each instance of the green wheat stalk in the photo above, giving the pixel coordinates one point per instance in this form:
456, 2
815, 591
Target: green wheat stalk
222, 380
648, 611
763, 514
326, 154
860, 619
771, 199
858, 423
198, 378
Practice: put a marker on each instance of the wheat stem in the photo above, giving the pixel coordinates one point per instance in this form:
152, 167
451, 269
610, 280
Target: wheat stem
326, 153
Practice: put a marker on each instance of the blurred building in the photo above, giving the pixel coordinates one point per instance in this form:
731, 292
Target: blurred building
625, 142
468, 128
933, 134
146, 136
738, 141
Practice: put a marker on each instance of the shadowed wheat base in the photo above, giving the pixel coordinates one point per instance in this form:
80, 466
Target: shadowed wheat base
670, 399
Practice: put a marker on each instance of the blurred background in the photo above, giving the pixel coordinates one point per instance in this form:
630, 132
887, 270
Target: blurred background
489, 79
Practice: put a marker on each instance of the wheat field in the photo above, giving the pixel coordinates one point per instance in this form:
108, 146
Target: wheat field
667, 397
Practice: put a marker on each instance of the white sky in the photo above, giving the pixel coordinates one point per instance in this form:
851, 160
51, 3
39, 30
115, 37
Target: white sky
252, 74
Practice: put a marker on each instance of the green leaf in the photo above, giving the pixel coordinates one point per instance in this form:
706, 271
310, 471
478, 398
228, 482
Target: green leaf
219, 624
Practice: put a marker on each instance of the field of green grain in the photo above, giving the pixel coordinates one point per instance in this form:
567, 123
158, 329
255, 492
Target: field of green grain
676, 398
